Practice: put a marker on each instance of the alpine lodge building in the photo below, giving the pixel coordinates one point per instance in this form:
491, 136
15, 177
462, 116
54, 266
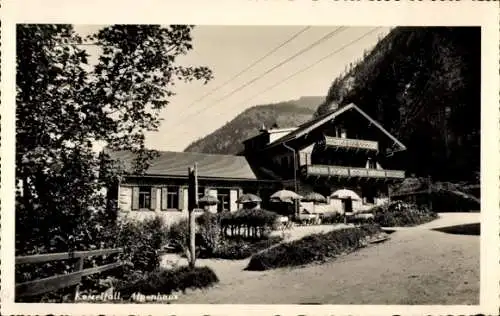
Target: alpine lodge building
342, 149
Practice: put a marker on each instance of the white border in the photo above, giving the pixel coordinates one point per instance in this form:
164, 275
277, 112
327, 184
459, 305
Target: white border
269, 12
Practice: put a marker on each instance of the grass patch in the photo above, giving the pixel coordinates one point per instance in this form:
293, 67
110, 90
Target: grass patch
466, 229
313, 248
166, 281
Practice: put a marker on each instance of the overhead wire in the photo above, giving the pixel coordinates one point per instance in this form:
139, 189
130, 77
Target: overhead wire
261, 76
297, 34
281, 81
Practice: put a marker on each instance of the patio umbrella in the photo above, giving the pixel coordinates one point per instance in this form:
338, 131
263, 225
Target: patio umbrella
248, 198
208, 200
285, 196
345, 194
314, 197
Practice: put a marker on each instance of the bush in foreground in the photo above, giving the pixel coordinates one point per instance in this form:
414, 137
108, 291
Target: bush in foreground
141, 240
317, 247
165, 281
212, 243
209, 231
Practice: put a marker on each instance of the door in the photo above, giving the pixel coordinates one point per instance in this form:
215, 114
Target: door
347, 205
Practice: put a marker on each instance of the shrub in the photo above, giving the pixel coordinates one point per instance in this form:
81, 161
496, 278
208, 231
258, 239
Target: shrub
212, 243
398, 213
208, 234
165, 281
332, 218
209, 231
313, 248
362, 218
236, 249
140, 241
253, 223
178, 234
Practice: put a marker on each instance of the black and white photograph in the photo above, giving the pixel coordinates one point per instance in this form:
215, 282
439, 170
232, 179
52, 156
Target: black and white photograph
248, 164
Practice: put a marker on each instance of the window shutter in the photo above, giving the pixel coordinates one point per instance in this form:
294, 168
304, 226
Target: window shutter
233, 196
181, 199
135, 198
153, 199
164, 197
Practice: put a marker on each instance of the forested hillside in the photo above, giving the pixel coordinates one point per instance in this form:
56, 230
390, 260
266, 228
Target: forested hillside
422, 84
229, 138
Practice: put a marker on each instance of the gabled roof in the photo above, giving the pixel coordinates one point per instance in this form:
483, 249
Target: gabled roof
317, 122
176, 164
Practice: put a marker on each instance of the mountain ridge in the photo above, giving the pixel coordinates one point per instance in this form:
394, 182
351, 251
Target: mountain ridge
228, 139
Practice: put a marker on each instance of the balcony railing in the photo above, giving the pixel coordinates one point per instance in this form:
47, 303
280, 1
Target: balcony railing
340, 171
350, 143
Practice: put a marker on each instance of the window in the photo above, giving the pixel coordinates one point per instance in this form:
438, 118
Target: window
169, 198
340, 132
223, 197
369, 194
343, 133
145, 197
370, 199
173, 198
373, 164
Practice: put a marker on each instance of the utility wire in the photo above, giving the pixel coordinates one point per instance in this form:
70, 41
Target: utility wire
281, 81
309, 47
311, 65
250, 66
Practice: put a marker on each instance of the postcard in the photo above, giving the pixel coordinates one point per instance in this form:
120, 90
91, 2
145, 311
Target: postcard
284, 157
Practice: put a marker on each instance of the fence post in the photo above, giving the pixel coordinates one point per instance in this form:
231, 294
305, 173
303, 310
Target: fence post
78, 267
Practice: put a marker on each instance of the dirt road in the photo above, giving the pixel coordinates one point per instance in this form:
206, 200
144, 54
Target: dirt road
416, 266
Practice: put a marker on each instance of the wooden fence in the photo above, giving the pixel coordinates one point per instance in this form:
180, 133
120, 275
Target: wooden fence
53, 283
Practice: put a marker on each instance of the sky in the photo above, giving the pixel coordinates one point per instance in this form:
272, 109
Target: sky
197, 109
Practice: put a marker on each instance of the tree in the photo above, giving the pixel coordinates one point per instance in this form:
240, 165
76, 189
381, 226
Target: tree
64, 105
420, 84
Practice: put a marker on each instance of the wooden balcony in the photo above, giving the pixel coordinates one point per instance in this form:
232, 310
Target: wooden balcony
349, 143
349, 172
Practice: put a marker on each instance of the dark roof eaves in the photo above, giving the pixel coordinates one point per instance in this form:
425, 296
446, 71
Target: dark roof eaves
329, 116
379, 126
319, 121
199, 177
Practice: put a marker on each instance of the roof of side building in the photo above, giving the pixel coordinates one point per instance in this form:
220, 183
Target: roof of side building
176, 164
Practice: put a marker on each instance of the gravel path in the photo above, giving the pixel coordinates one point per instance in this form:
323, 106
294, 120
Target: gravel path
416, 266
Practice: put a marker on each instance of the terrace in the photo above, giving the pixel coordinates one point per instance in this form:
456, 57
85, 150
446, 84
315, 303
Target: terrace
351, 172
349, 143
